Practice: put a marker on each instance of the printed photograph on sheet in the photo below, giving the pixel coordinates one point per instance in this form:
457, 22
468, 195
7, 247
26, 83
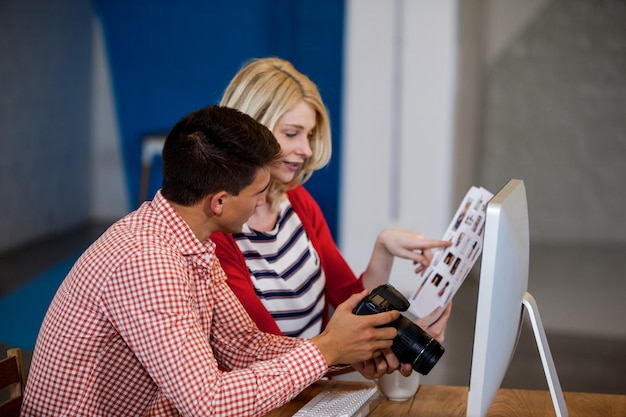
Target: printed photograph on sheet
450, 266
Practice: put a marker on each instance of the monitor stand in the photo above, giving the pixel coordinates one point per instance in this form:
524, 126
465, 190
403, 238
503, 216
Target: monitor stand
546, 357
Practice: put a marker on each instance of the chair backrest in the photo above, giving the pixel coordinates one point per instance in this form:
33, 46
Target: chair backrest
12, 376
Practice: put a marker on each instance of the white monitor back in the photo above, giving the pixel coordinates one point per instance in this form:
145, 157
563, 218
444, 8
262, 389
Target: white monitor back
503, 283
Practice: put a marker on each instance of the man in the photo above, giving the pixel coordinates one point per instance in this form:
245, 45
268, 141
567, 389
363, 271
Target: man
144, 322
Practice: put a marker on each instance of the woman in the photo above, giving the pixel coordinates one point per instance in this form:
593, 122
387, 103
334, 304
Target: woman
285, 266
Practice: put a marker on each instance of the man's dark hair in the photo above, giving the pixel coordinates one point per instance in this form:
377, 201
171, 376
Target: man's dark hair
214, 149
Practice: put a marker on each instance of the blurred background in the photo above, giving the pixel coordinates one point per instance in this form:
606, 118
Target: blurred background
426, 99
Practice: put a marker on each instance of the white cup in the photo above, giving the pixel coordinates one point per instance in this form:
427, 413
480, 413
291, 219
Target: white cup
397, 387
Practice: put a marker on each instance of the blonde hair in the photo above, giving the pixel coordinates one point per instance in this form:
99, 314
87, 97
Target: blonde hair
267, 88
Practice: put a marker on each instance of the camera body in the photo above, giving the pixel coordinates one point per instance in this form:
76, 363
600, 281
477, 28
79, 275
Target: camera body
412, 344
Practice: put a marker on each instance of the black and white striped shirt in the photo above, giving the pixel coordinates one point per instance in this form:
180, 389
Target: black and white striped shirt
286, 273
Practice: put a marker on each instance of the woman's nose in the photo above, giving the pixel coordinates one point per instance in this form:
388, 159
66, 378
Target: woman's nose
305, 148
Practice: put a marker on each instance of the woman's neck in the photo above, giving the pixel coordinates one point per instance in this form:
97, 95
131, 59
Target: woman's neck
264, 218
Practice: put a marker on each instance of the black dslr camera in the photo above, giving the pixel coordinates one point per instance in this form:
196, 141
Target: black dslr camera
412, 345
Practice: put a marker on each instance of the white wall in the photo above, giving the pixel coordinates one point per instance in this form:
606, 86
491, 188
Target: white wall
109, 199
504, 21
398, 118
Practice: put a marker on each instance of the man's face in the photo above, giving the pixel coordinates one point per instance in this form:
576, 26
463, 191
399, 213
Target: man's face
238, 208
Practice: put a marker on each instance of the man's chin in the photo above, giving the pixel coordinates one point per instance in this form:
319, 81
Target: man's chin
237, 230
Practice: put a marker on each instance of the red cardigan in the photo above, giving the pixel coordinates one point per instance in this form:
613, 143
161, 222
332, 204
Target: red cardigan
341, 282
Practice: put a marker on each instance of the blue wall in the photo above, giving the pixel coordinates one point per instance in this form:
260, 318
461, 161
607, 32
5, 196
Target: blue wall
168, 58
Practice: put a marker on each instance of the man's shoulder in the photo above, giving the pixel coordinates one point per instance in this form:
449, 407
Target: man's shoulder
134, 234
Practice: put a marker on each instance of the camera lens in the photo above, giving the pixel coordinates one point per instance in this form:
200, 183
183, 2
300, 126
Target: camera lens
413, 345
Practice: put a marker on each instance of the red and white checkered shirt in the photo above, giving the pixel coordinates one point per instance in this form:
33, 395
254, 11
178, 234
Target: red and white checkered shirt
140, 324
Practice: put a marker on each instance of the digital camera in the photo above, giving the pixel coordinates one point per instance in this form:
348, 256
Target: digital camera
412, 345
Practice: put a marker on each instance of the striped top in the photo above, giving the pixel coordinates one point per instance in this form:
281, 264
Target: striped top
286, 273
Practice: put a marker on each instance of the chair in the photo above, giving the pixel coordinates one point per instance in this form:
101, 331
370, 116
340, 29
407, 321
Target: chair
12, 376
151, 147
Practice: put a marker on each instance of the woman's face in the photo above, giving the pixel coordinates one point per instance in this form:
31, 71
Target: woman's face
293, 131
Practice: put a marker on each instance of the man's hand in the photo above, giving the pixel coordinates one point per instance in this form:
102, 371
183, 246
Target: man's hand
381, 365
350, 338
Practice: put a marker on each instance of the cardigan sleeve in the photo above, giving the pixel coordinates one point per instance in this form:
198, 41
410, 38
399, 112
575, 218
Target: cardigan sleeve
238, 279
341, 282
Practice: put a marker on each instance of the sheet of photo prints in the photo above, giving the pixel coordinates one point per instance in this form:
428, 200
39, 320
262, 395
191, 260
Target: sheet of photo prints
451, 265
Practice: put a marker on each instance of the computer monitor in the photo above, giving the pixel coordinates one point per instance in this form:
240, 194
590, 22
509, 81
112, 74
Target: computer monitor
502, 298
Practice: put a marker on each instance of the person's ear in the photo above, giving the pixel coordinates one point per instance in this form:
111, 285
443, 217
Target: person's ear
217, 202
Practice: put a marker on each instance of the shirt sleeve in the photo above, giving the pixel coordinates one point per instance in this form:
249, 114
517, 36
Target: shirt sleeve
163, 314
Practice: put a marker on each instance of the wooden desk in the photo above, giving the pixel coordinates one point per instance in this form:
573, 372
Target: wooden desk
448, 401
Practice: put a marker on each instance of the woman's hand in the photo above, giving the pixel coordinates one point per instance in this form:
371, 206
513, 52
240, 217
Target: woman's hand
410, 245
437, 329
395, 242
